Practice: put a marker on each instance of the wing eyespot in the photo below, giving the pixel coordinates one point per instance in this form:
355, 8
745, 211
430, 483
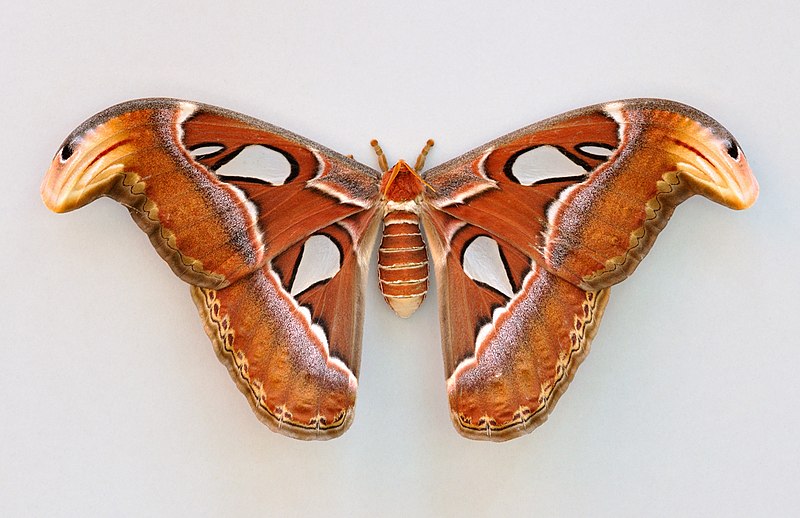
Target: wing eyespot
732, 147
66, 151
483, 262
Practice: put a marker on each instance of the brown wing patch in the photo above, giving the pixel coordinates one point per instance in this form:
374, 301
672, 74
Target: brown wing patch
285, 265
277, 359
525, 361
335, 304
506, 360
585, 228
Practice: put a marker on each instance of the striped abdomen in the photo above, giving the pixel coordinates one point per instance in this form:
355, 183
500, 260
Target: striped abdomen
402, 262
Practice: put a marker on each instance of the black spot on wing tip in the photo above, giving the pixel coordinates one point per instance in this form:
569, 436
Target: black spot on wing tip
66, 151
732, 147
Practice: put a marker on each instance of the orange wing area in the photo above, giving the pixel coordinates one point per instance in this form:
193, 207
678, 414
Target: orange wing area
563, 241
296, 358
526, 362
277, 358
230, 237
324, 187
507, 360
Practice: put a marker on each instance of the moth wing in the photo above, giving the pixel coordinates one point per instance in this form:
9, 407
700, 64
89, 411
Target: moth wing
235, 206
528, 232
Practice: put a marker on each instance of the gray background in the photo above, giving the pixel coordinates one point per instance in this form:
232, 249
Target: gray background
113, 402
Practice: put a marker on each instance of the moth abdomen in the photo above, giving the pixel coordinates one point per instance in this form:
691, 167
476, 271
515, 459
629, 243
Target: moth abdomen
403, 262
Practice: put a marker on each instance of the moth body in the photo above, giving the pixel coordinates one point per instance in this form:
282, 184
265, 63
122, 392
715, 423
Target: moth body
402, 256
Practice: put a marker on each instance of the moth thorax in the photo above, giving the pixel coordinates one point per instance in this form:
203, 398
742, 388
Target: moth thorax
401, 183
402, 262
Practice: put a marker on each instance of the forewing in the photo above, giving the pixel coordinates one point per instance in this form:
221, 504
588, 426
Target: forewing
584, 194
218, 192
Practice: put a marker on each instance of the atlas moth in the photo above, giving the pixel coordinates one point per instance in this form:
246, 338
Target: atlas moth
274, 234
